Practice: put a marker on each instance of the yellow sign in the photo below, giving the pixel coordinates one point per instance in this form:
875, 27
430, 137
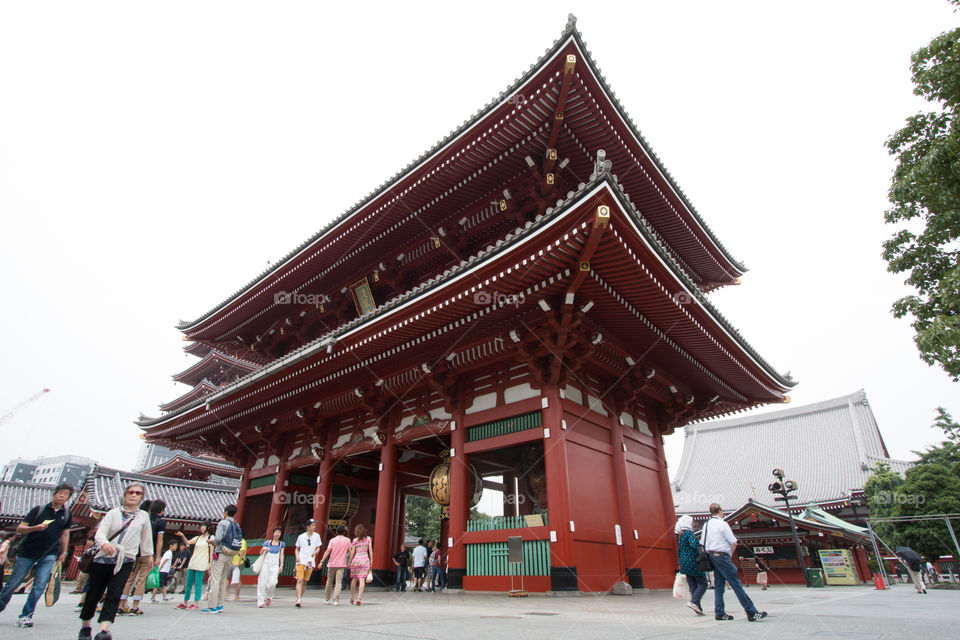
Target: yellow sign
838, 566
535, 520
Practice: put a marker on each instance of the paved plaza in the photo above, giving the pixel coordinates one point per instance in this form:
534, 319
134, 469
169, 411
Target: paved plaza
859, 613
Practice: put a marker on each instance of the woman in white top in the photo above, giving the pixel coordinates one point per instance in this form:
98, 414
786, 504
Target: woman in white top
272, 551
198, 565
129, 528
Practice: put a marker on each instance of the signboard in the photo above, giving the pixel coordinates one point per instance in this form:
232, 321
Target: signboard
363, 297
763, 551
838, 567
515, 549
534, 520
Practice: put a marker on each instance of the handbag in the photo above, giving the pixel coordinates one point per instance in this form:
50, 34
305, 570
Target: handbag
703, 559
52, 592
257, 565
86, 558
369, 577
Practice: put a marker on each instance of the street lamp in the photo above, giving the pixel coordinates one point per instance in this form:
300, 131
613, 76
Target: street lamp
783, 489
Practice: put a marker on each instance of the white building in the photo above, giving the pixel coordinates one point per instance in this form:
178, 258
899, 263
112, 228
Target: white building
49, 471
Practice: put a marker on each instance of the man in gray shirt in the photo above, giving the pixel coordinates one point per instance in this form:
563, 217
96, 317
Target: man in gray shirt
221, 569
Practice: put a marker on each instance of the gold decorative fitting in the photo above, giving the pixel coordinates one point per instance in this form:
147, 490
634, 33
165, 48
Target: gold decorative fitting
376, 276
549, 178
585, 265
551, 154
503, 205
603, 216
436, 241
559, 115
571, 64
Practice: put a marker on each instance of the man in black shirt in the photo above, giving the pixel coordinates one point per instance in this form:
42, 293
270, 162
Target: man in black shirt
401, 559
180, 562
47, 531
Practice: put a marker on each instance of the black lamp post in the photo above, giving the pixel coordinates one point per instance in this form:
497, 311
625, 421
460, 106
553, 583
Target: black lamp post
783, 489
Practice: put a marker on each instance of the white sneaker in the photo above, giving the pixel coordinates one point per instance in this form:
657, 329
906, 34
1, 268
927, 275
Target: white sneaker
326, 602
336, 603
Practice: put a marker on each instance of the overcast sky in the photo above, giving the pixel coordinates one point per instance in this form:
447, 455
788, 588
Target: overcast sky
154, 159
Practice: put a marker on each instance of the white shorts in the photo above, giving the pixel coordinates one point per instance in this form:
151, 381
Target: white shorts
236, 576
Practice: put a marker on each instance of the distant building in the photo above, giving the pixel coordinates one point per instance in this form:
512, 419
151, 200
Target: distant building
49, 471
153, 455
829, 448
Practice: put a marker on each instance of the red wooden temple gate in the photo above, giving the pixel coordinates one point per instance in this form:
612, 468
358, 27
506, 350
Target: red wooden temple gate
506, 300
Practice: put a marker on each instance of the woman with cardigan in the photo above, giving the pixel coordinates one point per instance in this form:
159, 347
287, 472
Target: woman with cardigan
688, 550
123, 533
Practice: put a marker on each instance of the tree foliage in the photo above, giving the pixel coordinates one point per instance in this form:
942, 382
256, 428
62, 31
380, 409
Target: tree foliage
925, 199
881, 491
423, 517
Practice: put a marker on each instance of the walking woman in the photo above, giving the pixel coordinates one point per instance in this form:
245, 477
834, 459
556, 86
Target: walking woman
762, 576
361, 550
123, 533
688, 549
198, 565
270, 567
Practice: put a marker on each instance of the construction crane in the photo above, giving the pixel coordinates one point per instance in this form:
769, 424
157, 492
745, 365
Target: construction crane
7, 416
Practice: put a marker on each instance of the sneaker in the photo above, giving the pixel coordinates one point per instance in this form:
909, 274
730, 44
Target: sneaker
326, 602
336, 603
697, 610
103, 635
193, 607
168, 598
724, 616
182, 605
85, 633
24, 621
124, 610
79, 607
757, 615
209, 610
136, 612
153, 600
268, 602
219, 608
259, 606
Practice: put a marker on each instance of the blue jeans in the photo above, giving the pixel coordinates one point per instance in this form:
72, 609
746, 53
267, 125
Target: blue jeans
41, 577
439, 579
698, 586
724, 571
401, 577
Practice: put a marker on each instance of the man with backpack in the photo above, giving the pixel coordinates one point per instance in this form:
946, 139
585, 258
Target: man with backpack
227, 543
46, 531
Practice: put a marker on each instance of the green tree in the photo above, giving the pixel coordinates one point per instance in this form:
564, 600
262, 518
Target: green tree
947, 453
925, 194
881, 491
423, 518
928, 489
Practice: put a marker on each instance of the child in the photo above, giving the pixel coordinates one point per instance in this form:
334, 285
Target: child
166, 563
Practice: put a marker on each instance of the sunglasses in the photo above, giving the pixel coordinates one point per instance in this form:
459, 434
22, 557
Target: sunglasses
134, 493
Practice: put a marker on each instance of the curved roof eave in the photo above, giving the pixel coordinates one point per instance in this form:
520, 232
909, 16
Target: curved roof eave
570, 32
584, 191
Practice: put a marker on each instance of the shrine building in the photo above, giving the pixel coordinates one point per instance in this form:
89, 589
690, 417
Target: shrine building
523, 308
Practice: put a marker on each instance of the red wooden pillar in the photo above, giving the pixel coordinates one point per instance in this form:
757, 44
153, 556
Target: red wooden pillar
386, 494
459, 502
563, 569
242, 495
277, 504
624, 503
321, 502
401, 519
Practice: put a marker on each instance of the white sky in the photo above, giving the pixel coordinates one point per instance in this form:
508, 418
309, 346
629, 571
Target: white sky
153, 159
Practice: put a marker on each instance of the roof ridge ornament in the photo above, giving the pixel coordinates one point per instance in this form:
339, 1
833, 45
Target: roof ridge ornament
602, 166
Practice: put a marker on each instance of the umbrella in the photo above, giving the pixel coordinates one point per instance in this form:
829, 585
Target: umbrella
910, 557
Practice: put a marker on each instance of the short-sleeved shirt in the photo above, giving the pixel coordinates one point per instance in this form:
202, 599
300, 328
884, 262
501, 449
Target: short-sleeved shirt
339, 547
240, 554
165, 562
717, 536
47, 542
402, 558
182, 559
200, 560
307, 546
419, 556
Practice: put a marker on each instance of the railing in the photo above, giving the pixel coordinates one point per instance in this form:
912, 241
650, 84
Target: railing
503, 427
490, 559
500, 522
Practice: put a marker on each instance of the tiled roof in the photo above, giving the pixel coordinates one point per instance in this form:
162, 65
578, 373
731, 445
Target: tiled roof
574, 198
569, 33
186, 499
221, 467
17, 498
828, 448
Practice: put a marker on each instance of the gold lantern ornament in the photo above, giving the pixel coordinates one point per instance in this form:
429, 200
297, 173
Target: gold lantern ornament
440, 485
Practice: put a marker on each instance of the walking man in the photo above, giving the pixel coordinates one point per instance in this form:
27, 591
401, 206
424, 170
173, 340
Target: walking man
308, 544
47, 531
227, 542
719, 541
914, 566
337, 551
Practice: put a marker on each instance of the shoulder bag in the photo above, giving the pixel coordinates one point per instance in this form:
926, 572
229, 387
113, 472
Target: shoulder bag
86, 558
703, 559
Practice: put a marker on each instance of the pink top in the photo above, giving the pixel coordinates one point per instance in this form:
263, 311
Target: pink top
339, 547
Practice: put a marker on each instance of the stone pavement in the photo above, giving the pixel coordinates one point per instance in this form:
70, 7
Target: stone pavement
859, 613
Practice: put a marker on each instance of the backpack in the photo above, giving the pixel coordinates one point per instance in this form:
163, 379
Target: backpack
233, 540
